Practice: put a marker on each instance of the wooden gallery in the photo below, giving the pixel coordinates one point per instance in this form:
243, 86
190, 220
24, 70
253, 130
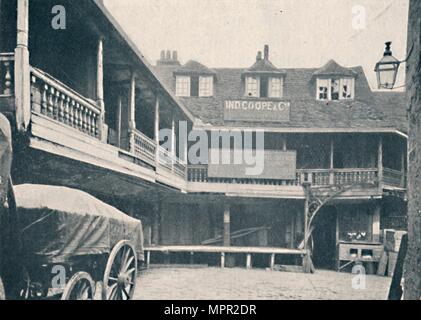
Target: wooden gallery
87, 111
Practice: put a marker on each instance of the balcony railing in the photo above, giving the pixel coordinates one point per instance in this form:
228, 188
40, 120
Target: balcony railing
57, 101
171, 163
320, 177
144, 147
6, 74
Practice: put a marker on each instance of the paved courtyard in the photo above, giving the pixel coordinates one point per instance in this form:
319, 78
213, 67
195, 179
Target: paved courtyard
241, 284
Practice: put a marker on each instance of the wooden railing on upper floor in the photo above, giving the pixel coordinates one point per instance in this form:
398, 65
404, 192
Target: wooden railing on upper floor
316, 177
55, 100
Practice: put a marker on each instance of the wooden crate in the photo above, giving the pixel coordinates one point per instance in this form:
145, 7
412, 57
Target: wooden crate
358, 251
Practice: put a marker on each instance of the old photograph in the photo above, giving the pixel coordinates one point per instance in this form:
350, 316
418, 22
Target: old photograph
210, 150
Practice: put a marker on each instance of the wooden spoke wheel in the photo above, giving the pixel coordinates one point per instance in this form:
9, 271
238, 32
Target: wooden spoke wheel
2, 292
80, 287
120, 273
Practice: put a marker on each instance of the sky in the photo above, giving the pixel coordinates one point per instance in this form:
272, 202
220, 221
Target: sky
300, 33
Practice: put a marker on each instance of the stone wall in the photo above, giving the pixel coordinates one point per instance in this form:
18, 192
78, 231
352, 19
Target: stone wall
413, 262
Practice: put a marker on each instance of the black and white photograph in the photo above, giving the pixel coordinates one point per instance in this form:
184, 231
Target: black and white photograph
210, 150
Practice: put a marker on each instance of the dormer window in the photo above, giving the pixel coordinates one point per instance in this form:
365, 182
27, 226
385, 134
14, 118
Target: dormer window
182, 87
275, 87
194, 80
335, 89
263, 87
253, 87
206, 86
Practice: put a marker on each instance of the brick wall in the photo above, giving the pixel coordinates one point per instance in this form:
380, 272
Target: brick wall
413, 262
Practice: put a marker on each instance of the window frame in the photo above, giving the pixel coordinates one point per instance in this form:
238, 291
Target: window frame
206, 81
329, 82
280, 90
247, 86
183, 88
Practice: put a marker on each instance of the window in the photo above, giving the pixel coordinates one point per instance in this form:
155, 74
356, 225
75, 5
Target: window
335, 89
348, 88
275, 88
182, 87
323, 89
205, 86
252, 86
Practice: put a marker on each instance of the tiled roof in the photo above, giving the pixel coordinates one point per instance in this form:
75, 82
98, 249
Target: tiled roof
194, 67
264, 66
332, 68
369, 110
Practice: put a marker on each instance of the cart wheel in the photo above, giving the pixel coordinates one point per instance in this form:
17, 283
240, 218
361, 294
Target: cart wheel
79, 287
2, 292
120, 273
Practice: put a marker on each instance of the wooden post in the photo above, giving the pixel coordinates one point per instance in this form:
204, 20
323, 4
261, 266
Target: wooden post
132, 111
376, 222
22, 69
156, 129
272, 261
100, 88
222, 260
173, 135
380, 164
332, 162
403, 178
118, 121
156, 224
248, 264
227, 226
148, 258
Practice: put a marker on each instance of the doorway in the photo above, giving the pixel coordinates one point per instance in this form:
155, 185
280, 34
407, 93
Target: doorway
324, 238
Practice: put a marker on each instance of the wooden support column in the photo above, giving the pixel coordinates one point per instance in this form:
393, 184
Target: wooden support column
249, 262
307, 264
173, 134
156, 128
272, 261
403, 161
380, 164
227, 226
100, 89
156, 224
118, 121
22, 69
332, 162
132, 111
376, 222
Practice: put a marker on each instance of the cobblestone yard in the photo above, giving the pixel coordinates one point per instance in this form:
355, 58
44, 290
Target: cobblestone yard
241, 284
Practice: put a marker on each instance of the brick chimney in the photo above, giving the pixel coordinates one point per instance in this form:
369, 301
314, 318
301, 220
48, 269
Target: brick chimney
168, 58
267, 52
259, 56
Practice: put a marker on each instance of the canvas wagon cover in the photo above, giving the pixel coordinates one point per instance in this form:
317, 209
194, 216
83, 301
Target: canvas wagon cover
59, 223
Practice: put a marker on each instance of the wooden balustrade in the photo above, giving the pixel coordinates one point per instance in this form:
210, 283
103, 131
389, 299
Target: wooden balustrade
55, 100
355, 176
6, 74
171, 163
316, 177
144, 147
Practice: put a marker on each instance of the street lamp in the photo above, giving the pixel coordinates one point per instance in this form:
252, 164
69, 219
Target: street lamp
387, 69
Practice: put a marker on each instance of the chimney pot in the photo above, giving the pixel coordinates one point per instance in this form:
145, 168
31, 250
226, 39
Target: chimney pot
259, 56
266, 52
175, 55
162, 55
168, 56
